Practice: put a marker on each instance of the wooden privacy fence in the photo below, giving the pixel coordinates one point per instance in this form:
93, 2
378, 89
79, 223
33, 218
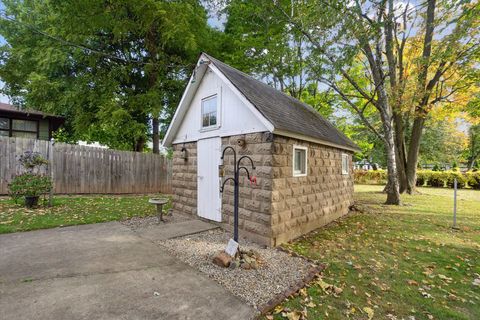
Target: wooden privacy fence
81, 169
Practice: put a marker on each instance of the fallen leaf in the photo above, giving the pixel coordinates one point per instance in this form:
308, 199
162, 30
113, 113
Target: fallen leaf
369, 311
294, 315
412, 282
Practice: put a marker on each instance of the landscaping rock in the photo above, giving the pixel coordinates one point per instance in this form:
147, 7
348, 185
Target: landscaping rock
277, 270
246, 266
222, 259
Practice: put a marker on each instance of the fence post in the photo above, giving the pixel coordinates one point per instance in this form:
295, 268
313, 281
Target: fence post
50, 144
455, 204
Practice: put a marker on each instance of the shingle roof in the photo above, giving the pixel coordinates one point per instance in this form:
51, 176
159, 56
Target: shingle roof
283, 111
12, 109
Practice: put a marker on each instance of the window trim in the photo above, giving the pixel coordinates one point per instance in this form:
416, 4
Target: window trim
345, 171
296, 173
211, 127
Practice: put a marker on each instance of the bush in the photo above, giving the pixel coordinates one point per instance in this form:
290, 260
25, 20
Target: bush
421, 178
461, 179
431, 178
437, 179
31, 160
473, 179
370, 176
29, 185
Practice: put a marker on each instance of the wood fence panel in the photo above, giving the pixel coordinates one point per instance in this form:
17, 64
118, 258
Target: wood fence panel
83, 170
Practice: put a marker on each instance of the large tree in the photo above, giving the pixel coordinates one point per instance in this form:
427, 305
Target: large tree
400, 59
113, 68
260, 43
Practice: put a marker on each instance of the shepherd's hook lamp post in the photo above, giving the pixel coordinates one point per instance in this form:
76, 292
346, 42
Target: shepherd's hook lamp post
235, 179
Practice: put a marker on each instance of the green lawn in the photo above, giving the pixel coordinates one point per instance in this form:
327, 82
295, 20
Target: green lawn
73, 210
395, 262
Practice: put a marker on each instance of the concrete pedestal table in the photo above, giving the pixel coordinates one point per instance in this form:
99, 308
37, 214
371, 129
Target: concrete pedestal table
159, 203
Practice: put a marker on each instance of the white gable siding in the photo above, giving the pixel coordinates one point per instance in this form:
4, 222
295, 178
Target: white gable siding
235, 117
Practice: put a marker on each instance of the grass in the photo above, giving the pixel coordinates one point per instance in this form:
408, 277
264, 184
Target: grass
394, 262
73, 210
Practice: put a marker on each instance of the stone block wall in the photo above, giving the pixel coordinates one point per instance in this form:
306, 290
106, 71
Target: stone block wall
184, 179
302, 204
280, 207
254, 200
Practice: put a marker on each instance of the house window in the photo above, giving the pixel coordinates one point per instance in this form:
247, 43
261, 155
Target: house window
209, 112
4, 127
344, 163
18, 128
299, 161
24, 128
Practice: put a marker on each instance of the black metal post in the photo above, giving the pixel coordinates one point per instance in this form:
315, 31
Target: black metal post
235, 207
236, 184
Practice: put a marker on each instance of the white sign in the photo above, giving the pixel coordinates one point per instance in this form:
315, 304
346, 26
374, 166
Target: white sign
232, 248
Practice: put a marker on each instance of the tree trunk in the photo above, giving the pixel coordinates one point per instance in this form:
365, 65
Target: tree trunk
413, 152
155, 134
393, 194
401, 152
139, 145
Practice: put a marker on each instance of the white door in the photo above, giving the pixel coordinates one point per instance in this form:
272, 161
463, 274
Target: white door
209, 200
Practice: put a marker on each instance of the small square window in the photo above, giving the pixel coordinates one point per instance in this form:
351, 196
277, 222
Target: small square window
299, 161
209, 112
345, 163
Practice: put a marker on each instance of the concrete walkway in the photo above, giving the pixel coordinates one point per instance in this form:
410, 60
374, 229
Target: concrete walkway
107, 271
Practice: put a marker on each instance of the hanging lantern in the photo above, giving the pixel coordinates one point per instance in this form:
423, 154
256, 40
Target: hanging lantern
184, 153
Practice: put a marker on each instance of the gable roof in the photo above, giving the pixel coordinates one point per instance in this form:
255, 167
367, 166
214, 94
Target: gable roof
286, 113
281, 113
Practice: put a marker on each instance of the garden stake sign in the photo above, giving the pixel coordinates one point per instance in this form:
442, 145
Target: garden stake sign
236, 173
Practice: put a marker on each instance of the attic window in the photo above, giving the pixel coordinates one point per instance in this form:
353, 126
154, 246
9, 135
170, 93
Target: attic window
299, 161
344, 163
209, 112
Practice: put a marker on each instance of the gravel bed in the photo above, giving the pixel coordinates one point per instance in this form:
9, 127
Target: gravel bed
142, 222
256, 287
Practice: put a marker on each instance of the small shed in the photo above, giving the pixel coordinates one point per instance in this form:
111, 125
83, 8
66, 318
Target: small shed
303, 163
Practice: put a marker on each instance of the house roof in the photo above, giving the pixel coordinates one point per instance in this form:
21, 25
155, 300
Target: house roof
8, 108
286, 113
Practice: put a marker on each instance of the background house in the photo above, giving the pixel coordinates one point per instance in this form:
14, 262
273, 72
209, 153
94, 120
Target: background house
303, 163
27, 123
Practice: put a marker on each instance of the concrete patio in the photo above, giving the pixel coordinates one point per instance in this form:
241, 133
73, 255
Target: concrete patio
107, 271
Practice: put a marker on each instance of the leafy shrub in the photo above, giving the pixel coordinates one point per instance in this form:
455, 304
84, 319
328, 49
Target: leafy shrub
421, 178
461, 179
429, 177
29, 185
370, 176
437, 179
473, 179
31, 160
